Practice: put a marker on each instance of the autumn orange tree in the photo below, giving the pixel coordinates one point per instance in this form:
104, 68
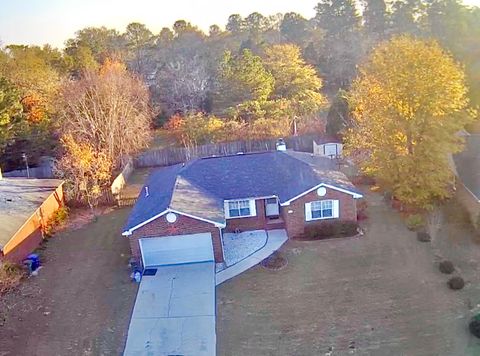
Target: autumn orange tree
408, 103
87, 172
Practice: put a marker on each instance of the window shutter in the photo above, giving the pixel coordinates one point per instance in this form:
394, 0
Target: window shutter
308, 211
253, 208
335, 205
227, 210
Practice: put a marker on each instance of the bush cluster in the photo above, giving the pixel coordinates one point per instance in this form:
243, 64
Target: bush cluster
446, 267
10, 276
56, 219
456, 283
330, 229
423, 236
415, 222
474, 325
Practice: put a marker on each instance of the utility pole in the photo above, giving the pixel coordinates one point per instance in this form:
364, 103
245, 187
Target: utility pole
25, 158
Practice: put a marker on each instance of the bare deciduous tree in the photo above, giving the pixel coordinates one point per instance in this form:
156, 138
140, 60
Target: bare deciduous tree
108, 109
183, 83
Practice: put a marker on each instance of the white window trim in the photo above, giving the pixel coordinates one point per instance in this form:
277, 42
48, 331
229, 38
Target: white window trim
355, 195
335, 210
252, 206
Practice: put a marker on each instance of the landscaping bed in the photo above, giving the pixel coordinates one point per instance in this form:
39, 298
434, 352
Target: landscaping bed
329, 230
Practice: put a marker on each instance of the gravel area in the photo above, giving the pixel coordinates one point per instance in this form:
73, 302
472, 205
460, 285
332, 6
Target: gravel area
238, 246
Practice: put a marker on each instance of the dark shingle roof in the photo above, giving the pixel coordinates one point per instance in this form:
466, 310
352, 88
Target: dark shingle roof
200, 187
160, 188
191, 199
468, 164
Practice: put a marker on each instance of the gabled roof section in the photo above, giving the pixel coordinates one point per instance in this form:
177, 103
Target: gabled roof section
192, 200
468, 164
160, 188
284, 174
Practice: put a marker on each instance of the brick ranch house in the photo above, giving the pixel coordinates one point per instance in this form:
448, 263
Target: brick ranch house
269, 190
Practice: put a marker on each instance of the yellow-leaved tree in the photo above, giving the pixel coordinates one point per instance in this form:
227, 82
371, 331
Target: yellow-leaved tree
87, 172
408, 104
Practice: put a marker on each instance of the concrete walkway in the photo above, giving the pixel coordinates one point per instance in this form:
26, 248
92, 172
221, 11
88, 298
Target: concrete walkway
275, 240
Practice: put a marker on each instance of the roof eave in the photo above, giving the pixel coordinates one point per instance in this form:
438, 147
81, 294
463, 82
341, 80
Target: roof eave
355, 195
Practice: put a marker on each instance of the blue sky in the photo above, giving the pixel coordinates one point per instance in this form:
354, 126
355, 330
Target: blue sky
54, 21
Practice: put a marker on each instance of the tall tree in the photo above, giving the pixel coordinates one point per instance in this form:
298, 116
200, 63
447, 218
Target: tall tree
337, 17
108, 109
297, 85
139, 41
10, 112
338, 117
86, 171
35, 74
94, 43
405, 15
182, 80
243, 81
343, 46
375, 18
235, 24
295, 28
408, 104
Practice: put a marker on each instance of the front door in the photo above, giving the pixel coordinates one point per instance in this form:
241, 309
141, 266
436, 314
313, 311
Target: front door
271, 207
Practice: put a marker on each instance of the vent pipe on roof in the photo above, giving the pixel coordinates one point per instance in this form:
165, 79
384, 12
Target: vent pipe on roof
281, 145
1, 176
146, 192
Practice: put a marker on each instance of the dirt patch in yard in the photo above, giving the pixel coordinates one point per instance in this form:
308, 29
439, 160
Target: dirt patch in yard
81, 301
378, 295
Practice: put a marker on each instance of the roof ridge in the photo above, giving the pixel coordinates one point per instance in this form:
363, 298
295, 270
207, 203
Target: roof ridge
298, 159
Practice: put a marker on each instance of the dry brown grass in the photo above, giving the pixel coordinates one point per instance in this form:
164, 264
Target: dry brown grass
10, 276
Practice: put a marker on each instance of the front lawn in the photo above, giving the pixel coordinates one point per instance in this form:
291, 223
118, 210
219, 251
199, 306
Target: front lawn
380, 294
80, 303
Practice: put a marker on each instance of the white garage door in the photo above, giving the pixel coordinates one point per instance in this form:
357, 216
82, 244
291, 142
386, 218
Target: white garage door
172, 250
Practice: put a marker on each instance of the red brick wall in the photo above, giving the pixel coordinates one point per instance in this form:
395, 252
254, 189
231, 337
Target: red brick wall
295, 221
183, 226
251, 223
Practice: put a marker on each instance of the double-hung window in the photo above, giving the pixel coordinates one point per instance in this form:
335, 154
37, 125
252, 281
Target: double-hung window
322, 209
240, 208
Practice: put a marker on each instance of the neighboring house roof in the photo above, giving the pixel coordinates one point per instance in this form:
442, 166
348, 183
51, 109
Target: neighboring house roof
19, 199
327, 139
200, 187
467, 164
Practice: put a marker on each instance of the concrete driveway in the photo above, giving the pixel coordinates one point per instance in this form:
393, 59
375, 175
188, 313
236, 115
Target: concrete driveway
174, 312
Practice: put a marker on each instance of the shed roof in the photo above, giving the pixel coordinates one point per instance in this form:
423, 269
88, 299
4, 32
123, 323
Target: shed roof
19, 199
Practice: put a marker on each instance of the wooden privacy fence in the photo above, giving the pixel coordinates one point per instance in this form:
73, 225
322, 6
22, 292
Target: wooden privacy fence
173, 155
33, 172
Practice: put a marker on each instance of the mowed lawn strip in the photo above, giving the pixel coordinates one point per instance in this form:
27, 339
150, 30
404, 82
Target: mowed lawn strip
81, 301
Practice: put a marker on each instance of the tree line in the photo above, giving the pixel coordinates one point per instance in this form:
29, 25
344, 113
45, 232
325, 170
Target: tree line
260, 76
